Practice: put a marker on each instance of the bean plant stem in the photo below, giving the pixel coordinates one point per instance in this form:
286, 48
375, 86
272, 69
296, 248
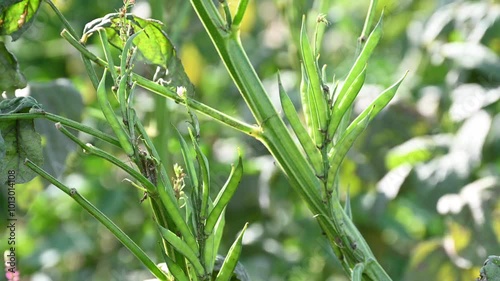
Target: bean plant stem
65, 121
198, 106
278, 140
88, 66
102, 218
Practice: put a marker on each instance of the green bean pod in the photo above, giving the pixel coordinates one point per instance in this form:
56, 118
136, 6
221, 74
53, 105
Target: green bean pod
312, 152
358, 67
190, 169
227, 268
240, 12
110, 116
183, 249
124, 59
378, 104
344, 102
174, 213
125, 69
225, 194
337, 154
304, 98
212, 243
205, 175
107, 54
175, 269
317, 101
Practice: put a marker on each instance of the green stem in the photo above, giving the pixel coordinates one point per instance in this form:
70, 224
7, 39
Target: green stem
62, 18
65, 121
198, 106
277, 138
174, 220
82, 49
88, 66
103, 154
102, 218
166, 92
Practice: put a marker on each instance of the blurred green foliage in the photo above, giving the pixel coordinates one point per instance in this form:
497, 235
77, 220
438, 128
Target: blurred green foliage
424, 180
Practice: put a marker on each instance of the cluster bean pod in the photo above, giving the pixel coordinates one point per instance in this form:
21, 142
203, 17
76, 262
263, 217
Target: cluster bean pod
110, 116
312, 152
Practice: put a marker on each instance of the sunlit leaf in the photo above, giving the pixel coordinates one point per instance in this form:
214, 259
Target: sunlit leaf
153, 44
17, 16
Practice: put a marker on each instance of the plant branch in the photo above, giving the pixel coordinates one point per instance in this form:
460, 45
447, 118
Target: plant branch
103, 154
88, 66
65, 121
198, 106
102, 218
278, 140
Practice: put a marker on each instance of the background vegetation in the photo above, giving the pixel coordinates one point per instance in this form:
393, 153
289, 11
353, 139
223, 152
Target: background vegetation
424, 178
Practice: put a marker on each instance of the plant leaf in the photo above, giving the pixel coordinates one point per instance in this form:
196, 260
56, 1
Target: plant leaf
205, 176
153, 43
19, 140
17, 16
11, 77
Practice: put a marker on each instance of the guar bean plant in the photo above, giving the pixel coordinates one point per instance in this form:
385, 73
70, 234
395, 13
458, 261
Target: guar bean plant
191, 222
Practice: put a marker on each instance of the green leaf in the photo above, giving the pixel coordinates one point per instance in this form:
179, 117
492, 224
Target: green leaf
153, 43
378, 104
18, 105
175, 270
19, 141
17, 16
239, 274
11, 77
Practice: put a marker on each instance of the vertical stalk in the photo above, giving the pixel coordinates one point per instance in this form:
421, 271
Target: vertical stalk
276, 137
